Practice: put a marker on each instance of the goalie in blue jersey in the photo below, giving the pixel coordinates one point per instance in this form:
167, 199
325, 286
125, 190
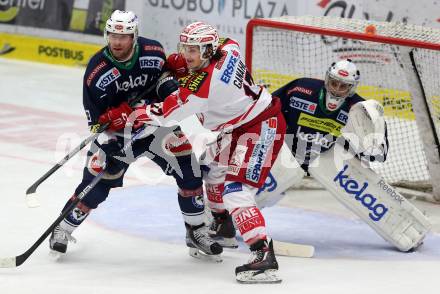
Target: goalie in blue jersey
333, 134
317, 111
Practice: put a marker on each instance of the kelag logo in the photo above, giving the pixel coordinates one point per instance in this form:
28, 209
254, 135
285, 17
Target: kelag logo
351, 186
132, 83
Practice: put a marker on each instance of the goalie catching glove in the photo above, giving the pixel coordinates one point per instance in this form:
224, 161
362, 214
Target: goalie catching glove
366, 130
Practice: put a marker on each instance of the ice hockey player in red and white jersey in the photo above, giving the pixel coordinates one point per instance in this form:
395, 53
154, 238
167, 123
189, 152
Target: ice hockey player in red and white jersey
114, 76
215, 84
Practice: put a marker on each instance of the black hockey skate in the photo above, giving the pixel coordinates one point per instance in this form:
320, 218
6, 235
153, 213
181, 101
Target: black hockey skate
262, 267
222, 230
58, 241
201, 245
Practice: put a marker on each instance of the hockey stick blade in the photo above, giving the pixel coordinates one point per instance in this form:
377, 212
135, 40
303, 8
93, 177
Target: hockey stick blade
32, 201
20, 259
8, 262
293, 249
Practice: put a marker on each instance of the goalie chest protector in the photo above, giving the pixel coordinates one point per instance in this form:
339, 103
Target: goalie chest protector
311, 128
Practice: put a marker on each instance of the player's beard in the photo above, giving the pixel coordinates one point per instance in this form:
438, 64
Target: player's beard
122, 55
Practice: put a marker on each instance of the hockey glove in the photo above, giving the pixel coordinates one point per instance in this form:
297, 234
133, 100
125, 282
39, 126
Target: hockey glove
166, 86
117, 116
176, 63
139, 117
113, 151
366, 128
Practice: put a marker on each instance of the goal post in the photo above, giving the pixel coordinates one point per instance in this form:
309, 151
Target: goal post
399, 65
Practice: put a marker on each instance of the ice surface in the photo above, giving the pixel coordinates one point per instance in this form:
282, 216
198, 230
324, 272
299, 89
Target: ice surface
134, 243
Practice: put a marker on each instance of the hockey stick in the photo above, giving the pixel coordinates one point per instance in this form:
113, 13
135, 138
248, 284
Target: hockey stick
20, 259
293, 249
32, 201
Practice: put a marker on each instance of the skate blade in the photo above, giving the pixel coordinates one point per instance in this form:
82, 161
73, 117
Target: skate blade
55, 255
227, 242
258, 277
196, 253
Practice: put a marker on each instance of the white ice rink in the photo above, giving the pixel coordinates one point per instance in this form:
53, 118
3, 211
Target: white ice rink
134, 242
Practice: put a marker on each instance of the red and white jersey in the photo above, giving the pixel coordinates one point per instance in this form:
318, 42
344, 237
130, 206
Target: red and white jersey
222, 94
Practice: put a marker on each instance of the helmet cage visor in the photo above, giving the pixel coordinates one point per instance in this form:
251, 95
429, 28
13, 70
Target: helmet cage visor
202, 41
338, 87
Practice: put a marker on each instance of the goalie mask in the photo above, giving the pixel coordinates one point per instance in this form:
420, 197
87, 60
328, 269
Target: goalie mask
202, 35
122, 22
341, 80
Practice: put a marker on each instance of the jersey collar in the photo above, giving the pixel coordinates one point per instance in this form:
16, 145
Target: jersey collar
322, 103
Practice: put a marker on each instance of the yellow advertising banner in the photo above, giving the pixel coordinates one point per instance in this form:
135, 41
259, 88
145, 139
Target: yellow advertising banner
52, 51
396, 103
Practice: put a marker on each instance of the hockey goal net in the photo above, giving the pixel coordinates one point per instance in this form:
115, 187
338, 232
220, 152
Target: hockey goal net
399, 66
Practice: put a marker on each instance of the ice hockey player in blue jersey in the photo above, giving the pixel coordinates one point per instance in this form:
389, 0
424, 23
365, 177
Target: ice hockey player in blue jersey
119, 72
317, 110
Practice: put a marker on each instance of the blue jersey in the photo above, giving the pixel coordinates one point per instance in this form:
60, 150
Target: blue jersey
108, 83
311, 128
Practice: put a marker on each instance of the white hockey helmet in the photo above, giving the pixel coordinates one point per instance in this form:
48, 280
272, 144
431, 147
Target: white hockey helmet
122, 22
341, 81
199, 34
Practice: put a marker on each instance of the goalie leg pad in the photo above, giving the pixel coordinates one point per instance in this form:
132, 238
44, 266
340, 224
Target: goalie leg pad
285, 173
365, 193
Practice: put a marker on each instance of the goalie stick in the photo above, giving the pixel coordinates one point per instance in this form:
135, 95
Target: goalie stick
32, 201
